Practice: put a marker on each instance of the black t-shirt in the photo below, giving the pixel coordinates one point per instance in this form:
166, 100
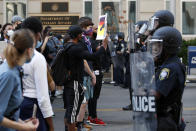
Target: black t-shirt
83, 45
97, 64
76, 64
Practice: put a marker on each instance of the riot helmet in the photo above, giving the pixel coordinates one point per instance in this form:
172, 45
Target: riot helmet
161, 18
166, 41
139, 25
141, 35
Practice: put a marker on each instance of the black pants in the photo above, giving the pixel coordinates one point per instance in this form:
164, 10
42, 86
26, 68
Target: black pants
119, 75
166, 123
92, 103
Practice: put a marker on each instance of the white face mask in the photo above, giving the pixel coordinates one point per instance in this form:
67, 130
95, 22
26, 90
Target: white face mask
10, 33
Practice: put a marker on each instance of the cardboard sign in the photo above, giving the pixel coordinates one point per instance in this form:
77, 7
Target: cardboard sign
102, 28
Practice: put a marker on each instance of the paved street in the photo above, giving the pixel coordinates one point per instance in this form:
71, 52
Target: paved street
109, 109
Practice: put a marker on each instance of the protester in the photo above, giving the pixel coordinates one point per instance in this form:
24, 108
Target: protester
73, 88
16, 20
97, 66
86, 24
35, 85
17, 53
50, 46
6, 32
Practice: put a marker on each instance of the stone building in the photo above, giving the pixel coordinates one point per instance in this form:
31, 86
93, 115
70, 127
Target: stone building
60, 14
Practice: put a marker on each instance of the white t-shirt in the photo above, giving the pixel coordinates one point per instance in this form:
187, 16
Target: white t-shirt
35, 83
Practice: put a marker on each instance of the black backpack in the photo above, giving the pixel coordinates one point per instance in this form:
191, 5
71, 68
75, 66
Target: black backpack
59, 67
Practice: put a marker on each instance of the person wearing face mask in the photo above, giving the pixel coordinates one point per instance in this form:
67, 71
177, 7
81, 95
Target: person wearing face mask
16, 20
35, 84
6, 32
16, 53
50, 45
73, 89
97, 67
86, 25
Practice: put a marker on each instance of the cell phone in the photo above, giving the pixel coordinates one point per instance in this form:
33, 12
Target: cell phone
50, 33
34, 111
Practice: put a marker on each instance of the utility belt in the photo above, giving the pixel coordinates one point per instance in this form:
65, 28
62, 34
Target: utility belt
174, 111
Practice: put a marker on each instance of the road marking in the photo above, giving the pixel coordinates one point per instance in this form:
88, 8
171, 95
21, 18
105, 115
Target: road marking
189, 108
119, 109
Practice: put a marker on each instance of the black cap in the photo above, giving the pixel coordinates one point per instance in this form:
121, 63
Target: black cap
74, 31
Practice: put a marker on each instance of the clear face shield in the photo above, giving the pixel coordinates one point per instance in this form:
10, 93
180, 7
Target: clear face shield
141, 35
155, 47
153, 23
143, 29
136, 28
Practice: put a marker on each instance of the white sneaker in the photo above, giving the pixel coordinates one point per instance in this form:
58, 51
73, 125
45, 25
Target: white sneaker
112, 82
58, 93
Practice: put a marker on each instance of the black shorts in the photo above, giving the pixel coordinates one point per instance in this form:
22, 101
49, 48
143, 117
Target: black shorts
74, 96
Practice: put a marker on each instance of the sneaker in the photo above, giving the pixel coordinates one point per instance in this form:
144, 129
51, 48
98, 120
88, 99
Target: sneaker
97, 122
112, 82
88, 120
127, 108
87, 126
58, 92
81, 128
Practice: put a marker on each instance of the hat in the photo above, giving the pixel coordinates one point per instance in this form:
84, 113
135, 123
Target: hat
74, 31
16, 18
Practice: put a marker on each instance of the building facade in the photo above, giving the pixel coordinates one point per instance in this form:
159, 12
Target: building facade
60, 14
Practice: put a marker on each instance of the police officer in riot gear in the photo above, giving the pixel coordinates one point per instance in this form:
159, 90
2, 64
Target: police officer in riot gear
139, 24
127, 82
120, 53
140, 36
170, 77
159, 19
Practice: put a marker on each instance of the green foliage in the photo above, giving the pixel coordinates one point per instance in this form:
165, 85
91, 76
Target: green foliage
184, 50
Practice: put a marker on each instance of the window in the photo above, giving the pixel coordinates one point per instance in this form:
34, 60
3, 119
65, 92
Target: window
167, 5
15, 7
88, 8
112, 11
189, 18
132, 11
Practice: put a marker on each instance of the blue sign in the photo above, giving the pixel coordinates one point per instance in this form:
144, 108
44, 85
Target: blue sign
192, 56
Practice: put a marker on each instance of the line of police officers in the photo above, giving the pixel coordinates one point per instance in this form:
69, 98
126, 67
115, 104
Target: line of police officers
158, 37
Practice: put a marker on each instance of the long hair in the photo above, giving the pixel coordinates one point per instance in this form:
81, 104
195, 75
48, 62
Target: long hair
21, 40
